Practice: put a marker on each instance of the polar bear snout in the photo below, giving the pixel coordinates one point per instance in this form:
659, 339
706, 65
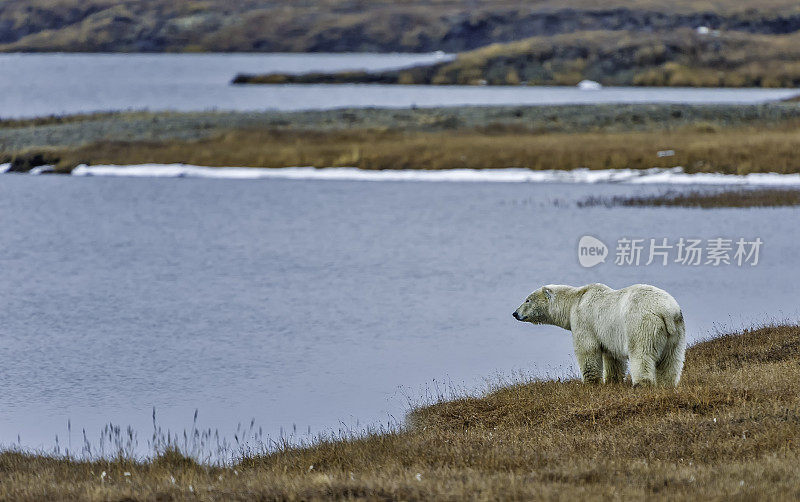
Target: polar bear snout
531, 311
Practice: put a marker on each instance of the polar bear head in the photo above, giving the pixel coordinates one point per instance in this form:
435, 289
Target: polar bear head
537, 307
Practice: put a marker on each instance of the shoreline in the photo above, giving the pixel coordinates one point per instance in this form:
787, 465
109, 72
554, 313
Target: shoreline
656, 175
728, 430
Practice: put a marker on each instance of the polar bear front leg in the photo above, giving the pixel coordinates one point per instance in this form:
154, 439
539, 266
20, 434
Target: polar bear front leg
590, 361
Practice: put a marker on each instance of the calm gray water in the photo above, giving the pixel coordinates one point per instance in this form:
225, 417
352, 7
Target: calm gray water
315, 302
45, 84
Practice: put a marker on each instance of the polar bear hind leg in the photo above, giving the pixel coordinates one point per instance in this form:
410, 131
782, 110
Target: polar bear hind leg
643, 369
647, 343
669, 368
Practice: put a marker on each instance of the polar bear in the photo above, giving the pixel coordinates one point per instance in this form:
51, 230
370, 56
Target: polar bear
640, 323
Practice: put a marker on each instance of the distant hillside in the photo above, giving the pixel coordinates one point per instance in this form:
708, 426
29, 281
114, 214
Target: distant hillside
356, 25
681, 57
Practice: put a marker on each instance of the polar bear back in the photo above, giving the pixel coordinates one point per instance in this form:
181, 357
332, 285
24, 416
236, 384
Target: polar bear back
616, 317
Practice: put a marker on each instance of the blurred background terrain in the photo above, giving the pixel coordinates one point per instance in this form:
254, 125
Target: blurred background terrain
357, 25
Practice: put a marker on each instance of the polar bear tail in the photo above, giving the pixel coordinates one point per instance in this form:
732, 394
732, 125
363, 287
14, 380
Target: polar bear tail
674, 324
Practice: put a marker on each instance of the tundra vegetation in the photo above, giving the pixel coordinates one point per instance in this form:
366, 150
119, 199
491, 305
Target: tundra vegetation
731, 429
725, 139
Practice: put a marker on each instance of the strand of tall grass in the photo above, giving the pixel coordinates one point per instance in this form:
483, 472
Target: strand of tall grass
706, 199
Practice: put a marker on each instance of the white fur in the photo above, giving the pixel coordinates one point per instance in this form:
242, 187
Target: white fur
641, 324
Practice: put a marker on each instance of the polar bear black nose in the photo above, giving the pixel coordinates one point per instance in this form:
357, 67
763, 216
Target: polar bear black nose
516, 316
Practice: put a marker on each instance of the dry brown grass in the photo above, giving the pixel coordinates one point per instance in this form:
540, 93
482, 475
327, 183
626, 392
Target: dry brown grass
730, 430
766, 197
699, 148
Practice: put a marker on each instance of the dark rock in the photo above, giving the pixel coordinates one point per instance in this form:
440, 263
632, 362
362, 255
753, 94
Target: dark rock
23, 163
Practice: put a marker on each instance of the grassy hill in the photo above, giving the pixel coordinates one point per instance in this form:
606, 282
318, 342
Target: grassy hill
681, 57
731, 430
356, 25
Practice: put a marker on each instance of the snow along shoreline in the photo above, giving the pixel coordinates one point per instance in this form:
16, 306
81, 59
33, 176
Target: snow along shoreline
658, 175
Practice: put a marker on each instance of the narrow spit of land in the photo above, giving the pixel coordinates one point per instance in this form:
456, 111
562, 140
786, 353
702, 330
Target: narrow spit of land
721, 138
730, 430
679, 57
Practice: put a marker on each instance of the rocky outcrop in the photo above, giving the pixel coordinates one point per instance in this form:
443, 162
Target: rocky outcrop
23, 163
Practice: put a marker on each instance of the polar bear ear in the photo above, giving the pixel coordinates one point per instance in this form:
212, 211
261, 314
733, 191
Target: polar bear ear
548, 293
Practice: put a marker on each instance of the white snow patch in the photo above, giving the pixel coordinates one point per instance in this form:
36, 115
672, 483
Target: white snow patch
41, 169
5, 167
589, 85
673, 175
753, 179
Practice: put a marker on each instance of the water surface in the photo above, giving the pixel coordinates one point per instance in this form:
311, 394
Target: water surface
45, 84
316, 302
